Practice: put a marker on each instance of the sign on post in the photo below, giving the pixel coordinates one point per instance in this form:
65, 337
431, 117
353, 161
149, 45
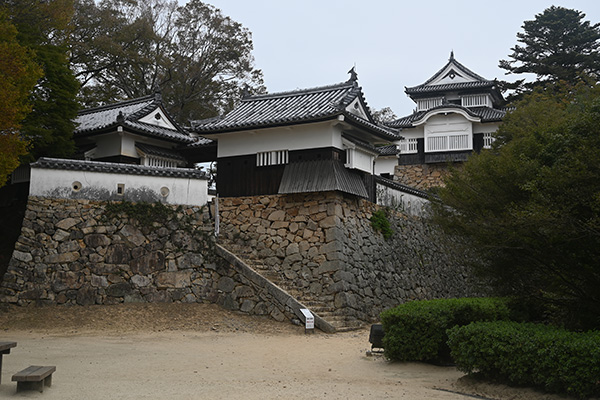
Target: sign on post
309, 320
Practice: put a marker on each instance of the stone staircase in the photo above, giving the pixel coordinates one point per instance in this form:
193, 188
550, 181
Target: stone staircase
325, 310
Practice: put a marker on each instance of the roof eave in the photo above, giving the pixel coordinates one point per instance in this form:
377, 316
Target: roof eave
251, 127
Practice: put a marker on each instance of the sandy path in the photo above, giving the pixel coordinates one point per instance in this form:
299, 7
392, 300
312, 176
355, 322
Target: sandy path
174, 351
188, 365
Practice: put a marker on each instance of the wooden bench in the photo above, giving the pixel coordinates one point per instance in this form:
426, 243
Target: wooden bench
5, 349
34, 377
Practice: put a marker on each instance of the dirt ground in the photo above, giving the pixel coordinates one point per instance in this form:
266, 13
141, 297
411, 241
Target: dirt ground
196, 351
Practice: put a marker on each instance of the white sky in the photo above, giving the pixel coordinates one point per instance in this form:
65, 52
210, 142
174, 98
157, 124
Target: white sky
393, 43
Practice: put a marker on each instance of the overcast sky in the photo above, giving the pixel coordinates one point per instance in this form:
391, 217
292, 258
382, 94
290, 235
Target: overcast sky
393, 43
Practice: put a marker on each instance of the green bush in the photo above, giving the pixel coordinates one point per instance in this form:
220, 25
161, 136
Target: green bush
416, 331
380, 222
551, 358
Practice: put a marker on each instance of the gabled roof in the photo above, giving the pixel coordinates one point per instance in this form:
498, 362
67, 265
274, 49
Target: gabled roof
132, 116
299, 106
454, 77
486, 114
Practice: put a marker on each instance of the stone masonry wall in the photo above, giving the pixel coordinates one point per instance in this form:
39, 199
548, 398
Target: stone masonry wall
70, 252
322, 247
421, 176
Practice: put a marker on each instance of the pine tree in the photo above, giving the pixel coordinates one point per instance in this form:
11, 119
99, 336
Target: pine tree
558, 45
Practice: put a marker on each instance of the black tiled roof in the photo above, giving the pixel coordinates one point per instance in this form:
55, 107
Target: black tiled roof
476, 84
299, 106
159, 151
487, 114
403, 188
321, 176
201, 142
117, 168
390, 150
450, 87
126, 114
478, 79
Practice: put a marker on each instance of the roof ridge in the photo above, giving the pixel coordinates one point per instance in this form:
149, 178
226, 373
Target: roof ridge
117, 105
315, 89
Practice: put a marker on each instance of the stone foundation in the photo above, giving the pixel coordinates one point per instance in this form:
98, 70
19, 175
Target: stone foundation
320, 248
69, 252
323, 247
421, 176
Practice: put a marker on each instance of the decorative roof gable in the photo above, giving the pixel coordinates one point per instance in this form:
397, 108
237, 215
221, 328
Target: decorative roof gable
452, 77
145, 115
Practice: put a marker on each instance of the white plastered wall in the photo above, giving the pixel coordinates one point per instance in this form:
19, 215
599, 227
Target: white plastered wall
297, 137
103, 186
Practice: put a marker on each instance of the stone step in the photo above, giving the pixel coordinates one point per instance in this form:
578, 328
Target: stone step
324, 310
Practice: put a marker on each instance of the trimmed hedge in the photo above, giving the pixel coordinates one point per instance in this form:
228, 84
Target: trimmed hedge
530, 354
416, 331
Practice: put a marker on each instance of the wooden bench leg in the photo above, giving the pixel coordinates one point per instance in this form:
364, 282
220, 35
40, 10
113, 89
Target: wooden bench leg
39, 386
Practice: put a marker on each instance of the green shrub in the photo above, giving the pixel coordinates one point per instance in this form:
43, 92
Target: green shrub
551, 358
380, 222
416, 331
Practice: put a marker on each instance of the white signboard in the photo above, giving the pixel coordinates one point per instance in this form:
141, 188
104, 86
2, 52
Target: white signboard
309, 319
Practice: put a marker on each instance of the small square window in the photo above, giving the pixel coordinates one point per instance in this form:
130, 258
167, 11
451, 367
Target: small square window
120, 189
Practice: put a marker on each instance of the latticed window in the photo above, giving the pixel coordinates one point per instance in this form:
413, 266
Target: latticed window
160, 162
476, 100
266, 158
426, 104
408, 146
488, 139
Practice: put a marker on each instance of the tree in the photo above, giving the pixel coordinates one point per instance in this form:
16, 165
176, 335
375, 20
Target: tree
384, 115
557, 45
531, 205
43, 28
18, 75
198, 58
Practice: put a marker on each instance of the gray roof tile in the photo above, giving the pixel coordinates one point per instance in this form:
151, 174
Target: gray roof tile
487, 114
478, 83
390, 150
299, 106
159, 151
126, 114
403, 188
117, 168
478, 79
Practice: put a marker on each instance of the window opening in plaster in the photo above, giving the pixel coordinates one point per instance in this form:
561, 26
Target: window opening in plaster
120, 189
164, 191
271, 158
409, 146
488, 139
76, 186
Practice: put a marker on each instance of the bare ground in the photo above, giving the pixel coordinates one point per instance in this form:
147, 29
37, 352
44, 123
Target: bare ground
198, 351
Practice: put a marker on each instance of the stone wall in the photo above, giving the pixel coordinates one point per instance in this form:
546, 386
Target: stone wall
74, 252
421, 176
323, 248
319, 248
